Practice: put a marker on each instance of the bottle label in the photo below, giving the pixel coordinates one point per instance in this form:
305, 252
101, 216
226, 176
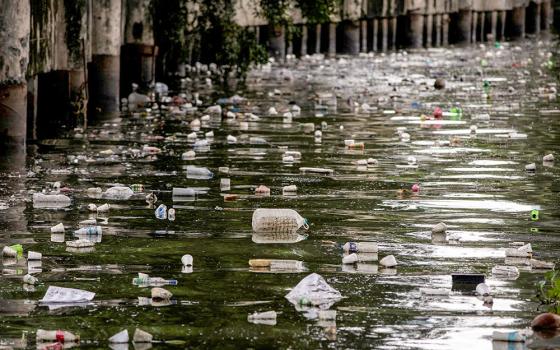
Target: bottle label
60, 336
352, 247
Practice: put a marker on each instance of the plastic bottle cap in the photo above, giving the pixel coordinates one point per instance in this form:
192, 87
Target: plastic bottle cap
534, 214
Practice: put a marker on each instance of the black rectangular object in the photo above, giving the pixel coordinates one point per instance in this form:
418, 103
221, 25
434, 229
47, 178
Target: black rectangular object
467, 278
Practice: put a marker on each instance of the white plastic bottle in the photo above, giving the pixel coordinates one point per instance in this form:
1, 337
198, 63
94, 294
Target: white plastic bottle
360, 247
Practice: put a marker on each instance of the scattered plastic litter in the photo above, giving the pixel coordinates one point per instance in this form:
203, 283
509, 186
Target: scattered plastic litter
314, 290
66, 295
266, 318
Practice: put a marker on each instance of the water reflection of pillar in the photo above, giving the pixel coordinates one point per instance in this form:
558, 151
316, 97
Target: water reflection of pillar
494, 24
375, 34
445, 29
518, 22
464, 24
363, 33
416, 29
385, 34
474, 26
394, 32
258, 33
429, 30
438, 30
290, 48
105, 65
332, 39
303, 51
318, 38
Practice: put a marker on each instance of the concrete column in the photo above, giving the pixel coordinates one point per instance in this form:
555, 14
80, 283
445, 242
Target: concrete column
32, 89
385, 34
416, 29
394, 32
318, 38
482, 31
537, 19
14, 57
445, 29
474, 26
518, 22
494, 24
502, 25
303, 40
290, 49
332, 39
363, 27
105, 66
351, 37
277, 41
375, 34
258, 33
465, 22
438, 30
138, 53
429, 30
547, 15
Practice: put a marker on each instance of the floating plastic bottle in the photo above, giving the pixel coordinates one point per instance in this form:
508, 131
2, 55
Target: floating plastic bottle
153, 282
360, 247
120, 338
171, 214
198, 172
57, 228
90, 230
266, 318
183, 192
277, 221
161, 212
57, 336
119, 192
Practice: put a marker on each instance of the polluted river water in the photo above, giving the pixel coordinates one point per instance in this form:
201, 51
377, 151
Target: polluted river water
499, 114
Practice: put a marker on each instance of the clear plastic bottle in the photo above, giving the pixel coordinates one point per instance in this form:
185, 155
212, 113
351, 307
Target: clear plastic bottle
153, 282
277, 221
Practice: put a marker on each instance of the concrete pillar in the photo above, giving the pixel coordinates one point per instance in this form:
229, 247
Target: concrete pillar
14, 57
385, 34
494, 24
375, 34
277, 41
138, 53
429, 30
394, 32
464, 25
474, 26
290, 49
351, 37
303, 51
258, 33
547, 15
332, 39
318, 38
438, 30
445, 29
537, 19
363, 27
416, 29
105, 66
32, 89
482, 21
502, 25
518, 22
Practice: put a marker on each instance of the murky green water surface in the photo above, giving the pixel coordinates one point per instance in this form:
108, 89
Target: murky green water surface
475, 182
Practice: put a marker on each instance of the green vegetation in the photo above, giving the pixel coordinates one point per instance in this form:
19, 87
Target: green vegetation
548, 291
205, 30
